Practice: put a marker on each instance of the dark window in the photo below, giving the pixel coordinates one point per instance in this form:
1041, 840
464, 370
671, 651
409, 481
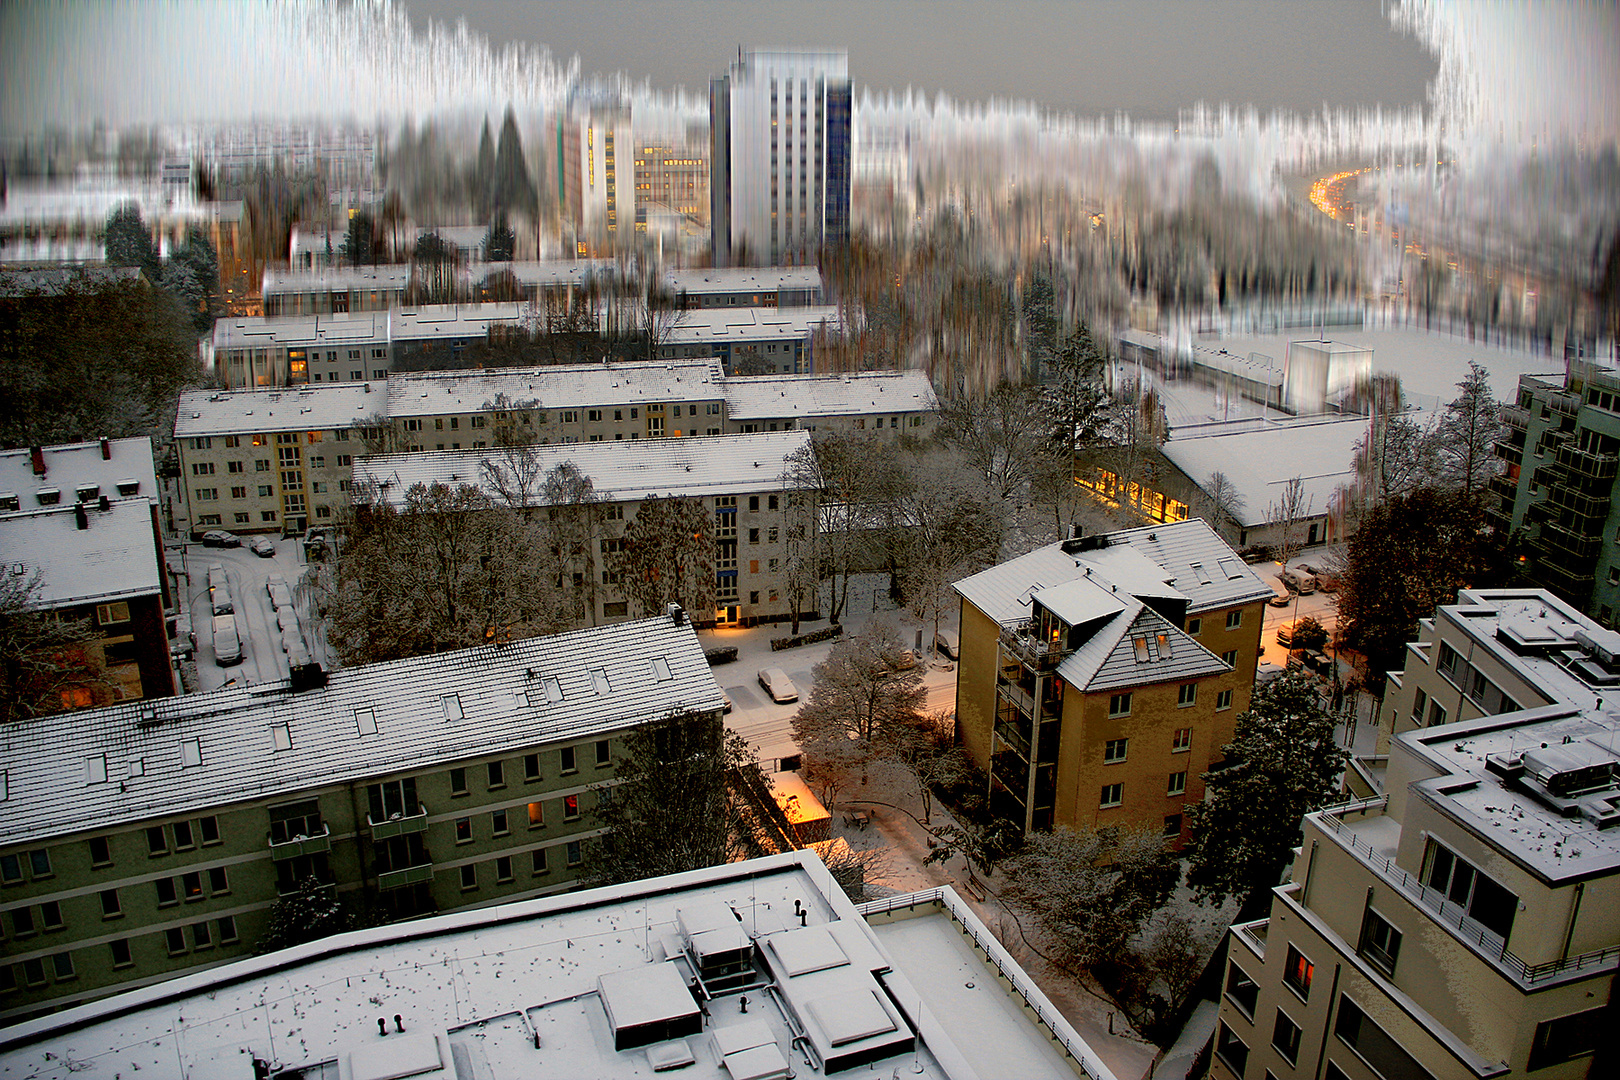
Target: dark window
1285, 1037
497, 823
62, 966
227, 928
100, 851
574, 855
109, 903
10, 869
39, 862
294, 820
1374, 1045
182, 836
567, 755
463, 830
201, 936
1380, 942
458, 781
469, 876
165, 892
191, 885
497, 774
1243, 990
503, 869
1232, 1050
1298, 972
120, 953
175, 936
539, 856
1486, 902
50, 915
531, 766
22, 921
1565, 1038
602, 758
217, 881
1172, 825
156, 842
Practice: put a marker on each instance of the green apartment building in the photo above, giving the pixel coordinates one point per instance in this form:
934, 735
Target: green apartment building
152, 838
1561, 443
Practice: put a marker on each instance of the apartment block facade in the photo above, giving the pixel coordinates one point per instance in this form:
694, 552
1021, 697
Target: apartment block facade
1463, 924
153, 838
1099, 677
763, 526
781, 153
1561, 445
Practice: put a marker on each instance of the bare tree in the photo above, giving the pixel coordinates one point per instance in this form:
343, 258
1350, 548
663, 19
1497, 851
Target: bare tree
574, 514
1470, 425
998, 436
1287, 517
378, 435
43, 659
1219, 502
927, 751
666, 555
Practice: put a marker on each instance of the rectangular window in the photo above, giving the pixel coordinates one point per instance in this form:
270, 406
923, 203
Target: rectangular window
120, 953
497, 823
1373, 1044
218, 883
1194, 627
100, 851
1486, 902
469, 877
1119, 705
34, 972
537, 815
1437, 713
62, 966
602, 759
1172, 826
531, 767
1380, 942
226, 925
191, 885
1229, 658
464, 830
22, 921
1182, 741
1223, 700
1285, 1037
1187, 694
1231, 1050
1234, 619
1112, 795
570, 807
503, 869
202, 936
110, 908
157, 842
538, 857
50, 915
496, 771
574, 855
182, 836
1297, 973
458, 781
1177, 785
1419, 700
1114, 750
39, 863
567, 756
175, 937
165, 892
1565, 1038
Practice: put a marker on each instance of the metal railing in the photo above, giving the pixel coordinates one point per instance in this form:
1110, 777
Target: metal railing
399, 824
1253, 934
1021, 640
410, 875
1488, 944
1514, 416
302, 845
996, 955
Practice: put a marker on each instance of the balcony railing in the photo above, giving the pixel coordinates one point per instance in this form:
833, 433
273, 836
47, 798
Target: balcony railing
1572, 550
410, 875
1505, 486
318, 844
1508, 452
1581, 504
1587, 463
1486, 943
1013, 739
1515, 417
1023, 641
1253, 934
399, 824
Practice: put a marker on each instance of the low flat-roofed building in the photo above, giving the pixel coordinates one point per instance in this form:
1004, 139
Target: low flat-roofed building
743, 480
748, 340
1463, 926
100, 561
148, 838
759, 969
335, 290
765, 286
1099, 677
888, 401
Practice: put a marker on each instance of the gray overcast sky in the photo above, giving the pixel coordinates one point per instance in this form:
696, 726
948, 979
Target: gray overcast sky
1146, 57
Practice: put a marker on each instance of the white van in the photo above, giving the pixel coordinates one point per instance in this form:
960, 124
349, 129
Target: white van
1301, 581
227, 642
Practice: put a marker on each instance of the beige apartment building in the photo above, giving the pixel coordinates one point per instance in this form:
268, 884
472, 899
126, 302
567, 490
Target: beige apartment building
1099, 677
1463, 924
153, 838
760, 523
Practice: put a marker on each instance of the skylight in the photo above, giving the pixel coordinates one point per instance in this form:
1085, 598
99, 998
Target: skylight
365, 720
553, 687
281, 736
190, 753
95, 769
1200, 573
600, 680
660, 667
450, 704
1141, 644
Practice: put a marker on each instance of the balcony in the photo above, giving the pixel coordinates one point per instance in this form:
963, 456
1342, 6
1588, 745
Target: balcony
1515, 417
410, 875
1022, 641
1509, 452
1013, 739
1564, 404
318, 844
1505, 486
1253, 934
1588, 464
1581, 504
399, 824
1573, 550
1483, 942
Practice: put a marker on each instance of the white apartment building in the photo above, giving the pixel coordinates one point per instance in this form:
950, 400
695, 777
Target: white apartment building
781, 156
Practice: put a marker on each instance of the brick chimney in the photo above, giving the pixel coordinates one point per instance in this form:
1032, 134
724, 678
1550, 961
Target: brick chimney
106, 449
37, 453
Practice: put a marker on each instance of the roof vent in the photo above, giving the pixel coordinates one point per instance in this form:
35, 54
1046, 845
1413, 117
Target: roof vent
676, 613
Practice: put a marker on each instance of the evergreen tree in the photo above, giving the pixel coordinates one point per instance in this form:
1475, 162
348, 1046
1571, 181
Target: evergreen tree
513, 190
483, 185
312, 912
129, 242
1282, 764
1470, 425
500, 242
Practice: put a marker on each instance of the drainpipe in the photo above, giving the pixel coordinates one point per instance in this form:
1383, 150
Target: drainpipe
1574, 911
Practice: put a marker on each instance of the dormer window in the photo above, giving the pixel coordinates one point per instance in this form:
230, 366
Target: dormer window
49, 496
86, 492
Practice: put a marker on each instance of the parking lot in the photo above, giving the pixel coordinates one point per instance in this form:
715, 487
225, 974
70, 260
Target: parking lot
262, 657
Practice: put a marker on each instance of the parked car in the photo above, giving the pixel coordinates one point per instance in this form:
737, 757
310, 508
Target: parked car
263, 547
280, 592
1285, 632
1327, 579
1283, 597
1299, 580
221, 539
947, 642
316, 543
227, 641
185, 641
776, 683
219, 591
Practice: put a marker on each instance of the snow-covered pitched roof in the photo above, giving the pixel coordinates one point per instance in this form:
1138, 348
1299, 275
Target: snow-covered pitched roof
1192, 562
440, 393
289, 408
619, 471
113, 557
513, 988
1259, 463
737, 325
752, 397
74, 465
1135, 647
736, 279
432, 322
301, 330
423, 711
346, 278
